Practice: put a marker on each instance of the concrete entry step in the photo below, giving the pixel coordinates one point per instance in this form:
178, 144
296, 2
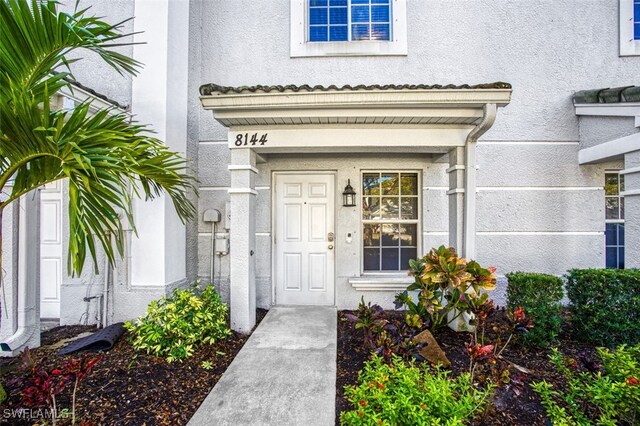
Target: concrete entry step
284, 375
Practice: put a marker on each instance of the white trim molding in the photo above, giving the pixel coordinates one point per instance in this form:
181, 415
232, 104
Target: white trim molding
609, 150
232, 167
381, 282
300, 47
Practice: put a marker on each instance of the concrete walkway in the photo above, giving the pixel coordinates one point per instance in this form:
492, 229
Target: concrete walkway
284, 375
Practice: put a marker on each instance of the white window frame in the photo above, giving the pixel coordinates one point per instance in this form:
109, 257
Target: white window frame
620, 220
301, 47
418, 221
628, 46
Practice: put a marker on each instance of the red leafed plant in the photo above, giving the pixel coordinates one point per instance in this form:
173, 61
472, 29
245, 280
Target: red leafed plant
39, 387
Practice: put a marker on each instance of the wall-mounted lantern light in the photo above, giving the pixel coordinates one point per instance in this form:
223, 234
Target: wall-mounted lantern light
349, 195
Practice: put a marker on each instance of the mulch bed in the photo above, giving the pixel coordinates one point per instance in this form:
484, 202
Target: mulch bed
513, 404
131, 388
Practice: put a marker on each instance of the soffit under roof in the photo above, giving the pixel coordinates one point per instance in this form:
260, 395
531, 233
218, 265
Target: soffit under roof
388, 105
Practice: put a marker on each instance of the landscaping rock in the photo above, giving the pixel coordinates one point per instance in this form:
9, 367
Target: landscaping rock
431, 350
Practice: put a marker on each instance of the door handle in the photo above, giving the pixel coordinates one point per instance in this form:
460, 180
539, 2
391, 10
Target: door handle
330, 237
330, 246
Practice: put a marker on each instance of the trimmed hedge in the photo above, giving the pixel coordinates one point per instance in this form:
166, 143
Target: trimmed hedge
539, 295
605, 305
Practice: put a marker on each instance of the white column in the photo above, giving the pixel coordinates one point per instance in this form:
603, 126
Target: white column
242, 237
159, 98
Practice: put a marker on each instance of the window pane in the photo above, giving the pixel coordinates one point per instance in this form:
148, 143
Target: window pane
380, 32
318, 34
621, 258
371, 235
370, 184
318, 16
359, 1
390, 259
390, 184
371, 259
611, 234
636, 31
612, 257
380, 1
409, 208
405, 255
621, 207
379, 13
360, 14
621, 234
621, 177
371, 208
317, 3
389, 234
409, 184
338, 16
408, 234
338, 2
389, 207
338, 33
360, 32
612, 208
610, 184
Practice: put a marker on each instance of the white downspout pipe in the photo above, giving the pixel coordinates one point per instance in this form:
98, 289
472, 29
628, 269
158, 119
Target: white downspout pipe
28, 274
469, 215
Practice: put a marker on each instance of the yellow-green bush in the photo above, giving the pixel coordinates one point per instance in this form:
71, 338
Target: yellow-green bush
173, 327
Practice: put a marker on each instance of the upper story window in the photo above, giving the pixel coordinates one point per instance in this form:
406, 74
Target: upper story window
349, 20
629, 27
390, 205
348, 27
614, 219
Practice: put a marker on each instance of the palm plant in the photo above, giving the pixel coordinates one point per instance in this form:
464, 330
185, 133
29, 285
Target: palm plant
106, 159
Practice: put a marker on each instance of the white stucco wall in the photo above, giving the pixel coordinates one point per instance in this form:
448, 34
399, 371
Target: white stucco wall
537, 209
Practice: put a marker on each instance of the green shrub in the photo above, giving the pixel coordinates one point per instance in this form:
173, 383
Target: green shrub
173, 327
406, 394
609, 395
605, 305
445, 282
539, 295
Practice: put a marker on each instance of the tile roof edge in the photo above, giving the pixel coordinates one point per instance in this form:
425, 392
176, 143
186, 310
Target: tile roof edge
211, 88
607, 95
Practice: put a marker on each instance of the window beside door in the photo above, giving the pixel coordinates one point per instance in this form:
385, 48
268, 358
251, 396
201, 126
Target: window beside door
390, 225
614, 220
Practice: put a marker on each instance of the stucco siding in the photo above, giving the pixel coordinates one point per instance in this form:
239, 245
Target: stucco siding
596, 130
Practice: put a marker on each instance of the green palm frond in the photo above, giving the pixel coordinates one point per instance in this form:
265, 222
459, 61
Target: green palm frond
106, 159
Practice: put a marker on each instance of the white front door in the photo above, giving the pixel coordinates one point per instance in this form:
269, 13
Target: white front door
50, 249
304, 239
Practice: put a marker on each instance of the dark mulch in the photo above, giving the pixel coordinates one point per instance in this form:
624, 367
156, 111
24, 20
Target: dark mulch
513, 404
131, 388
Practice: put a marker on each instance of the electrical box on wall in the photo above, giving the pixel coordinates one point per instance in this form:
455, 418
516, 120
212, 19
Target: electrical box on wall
222, 245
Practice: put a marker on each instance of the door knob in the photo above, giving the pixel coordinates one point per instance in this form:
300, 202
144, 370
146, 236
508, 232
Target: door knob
330, 246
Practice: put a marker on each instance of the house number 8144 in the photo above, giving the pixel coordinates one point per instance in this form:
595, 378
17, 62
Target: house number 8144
243, 139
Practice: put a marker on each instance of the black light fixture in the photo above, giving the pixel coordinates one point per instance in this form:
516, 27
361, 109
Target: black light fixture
349, 195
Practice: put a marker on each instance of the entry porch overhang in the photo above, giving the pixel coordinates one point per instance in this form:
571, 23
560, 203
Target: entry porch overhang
338, 119
374, 119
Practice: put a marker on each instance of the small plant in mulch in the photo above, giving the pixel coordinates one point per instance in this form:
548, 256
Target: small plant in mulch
485, 349
175, 326
382, 336
605, 391
38, 387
